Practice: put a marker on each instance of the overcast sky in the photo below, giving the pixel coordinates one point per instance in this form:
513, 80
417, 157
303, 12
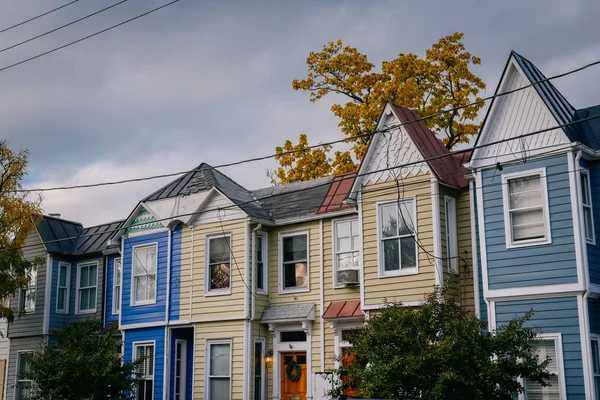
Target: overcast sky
210, 81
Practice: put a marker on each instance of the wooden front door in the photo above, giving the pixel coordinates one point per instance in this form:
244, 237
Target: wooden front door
347, 357
290, 389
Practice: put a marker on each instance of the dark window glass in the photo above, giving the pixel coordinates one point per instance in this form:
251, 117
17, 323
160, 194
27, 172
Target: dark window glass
258, 366
259, 264
295, 336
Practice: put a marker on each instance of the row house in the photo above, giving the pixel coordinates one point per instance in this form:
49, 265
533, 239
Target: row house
534, 210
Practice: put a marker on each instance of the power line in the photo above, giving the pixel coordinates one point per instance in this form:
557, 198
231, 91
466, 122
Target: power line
37, 16
61, 27
372, 133
87, 37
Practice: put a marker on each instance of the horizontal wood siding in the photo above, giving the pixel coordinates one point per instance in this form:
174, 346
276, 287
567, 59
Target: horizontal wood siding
108, 308
32, 343
555, 315
176, 259
234, 331
466, 270
156, 335
594, 249
549, 264
4, 341
151, 312
192, 277
401, 288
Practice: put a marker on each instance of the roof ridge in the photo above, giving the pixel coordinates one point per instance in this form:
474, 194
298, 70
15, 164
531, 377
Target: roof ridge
62, 219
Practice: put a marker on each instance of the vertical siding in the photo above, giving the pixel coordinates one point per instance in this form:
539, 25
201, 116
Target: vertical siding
233, 331
108, 307
401, 288
594, 249
16, 345
549, 264
156, 335
151, 312
555, 315
175, 291
192, 277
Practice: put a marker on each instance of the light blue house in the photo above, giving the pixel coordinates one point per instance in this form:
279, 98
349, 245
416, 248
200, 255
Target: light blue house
534, 201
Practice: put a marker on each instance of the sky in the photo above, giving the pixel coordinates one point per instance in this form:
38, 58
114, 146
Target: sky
210, 81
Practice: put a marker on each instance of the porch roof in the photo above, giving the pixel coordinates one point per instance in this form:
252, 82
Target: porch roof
343, 309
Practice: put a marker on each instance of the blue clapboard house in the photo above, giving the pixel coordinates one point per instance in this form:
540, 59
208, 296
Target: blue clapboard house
535, 207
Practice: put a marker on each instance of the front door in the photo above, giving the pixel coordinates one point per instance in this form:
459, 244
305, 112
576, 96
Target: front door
293, 376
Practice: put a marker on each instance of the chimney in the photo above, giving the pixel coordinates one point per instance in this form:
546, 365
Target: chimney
54, 215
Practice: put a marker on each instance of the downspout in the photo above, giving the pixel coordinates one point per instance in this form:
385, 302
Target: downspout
321, 294
167, 351
474, 256
191, 272
437, 232
253, 317
247, 349
170, 233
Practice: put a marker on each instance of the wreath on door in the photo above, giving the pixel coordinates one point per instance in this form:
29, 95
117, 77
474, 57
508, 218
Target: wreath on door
292, 371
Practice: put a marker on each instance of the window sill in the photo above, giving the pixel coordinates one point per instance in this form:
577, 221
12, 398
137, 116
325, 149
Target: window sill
260, 291
215, 292
402, 272
591, 241
528, 243
62, 312
143, 303
292, 291
85, 312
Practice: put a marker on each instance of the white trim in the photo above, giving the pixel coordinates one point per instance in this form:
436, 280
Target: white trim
207, 359
191, 271
586, 346
114, 275
560, 364
284, 347
492, 316
263, 375
482, 233
68, 287
510, 242
168, 294
130, 286
291, 221
166, 362
322, 292
451, 234
381, 273
280, 237
134, 345
338, 327
16, 389
361, 273
531, 291
132, 300
474, 252
437, 232
576, 216
218, 292
183, 371
334, 223
77, 288
47, 294
264, 236
584, 171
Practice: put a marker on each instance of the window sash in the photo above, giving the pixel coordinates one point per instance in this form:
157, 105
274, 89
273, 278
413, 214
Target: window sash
296, 263
219, 264
353, 238
258, 371
62, 290
400, 233
586, 205
145, 259
22, 392
535, 391
214, 378
146, 369
526, 208
87, 291
116, 297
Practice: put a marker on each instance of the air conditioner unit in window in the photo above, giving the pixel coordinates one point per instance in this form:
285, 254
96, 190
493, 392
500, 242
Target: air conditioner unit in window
347, 277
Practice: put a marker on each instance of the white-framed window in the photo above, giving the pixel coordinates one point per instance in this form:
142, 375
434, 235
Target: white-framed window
23, 386
179, 389
116, 289
259, 369
218, 369
596, 364
62, 288
451, 234
526, 216
548, 345
145, 352
28, 294
397, 233
586, 206
343, 347
87, 281
346, 245
218, 265
145, 259
293, 256
262, 256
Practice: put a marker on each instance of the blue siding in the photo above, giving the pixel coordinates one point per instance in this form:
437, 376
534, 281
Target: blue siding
109, 317
535, 265
187, 334
146, 335
175, 300
594, 315
594, 250
555, 315
151, 312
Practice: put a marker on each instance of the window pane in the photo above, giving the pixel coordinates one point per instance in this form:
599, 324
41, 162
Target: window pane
344, 244
23, 367
219, 389
61, 299
585, 194
151, 295
219, 276
83, 277
118, 271
219, 250
525, 192
259, 276
355, 230
92, 299
140, 288
219, 359
389, 220
62, 276
595, 357
294, 248
139, 259
259, 249
151, 259
293, 336
84, 299
92, 279
528, 224
406, 220
347, 260
391, 255
409, 252
295, 275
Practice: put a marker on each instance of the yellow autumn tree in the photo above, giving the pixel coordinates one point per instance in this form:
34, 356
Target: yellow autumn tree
19, 214
442, 80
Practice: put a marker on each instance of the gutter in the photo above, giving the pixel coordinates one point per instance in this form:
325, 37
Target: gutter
350, 211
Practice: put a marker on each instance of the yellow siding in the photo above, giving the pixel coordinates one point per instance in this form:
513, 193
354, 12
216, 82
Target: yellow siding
208, 307
233, 331
402, 288
463, 218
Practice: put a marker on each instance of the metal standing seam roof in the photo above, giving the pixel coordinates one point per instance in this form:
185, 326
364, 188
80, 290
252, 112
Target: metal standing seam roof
338, 191
95, 238
55, 231
343, 309
298, 311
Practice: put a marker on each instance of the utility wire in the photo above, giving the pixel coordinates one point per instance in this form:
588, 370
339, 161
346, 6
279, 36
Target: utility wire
87, 37
37, 16
372, 133
61, 27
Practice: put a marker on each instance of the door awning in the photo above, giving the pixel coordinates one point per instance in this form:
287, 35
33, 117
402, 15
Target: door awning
289, 313
343, 309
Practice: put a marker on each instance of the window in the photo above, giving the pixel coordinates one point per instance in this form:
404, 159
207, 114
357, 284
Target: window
219, 370
62, 289
180, 369
116, 293
261, 262
292, 336
86, 287
347, 246
535, 391
347, 355
397, 233
27, 295
451, 234
219, 264
23, 389
144, 271
258, 371
145, 352
586, 204
596, 366
294, 256
525, 208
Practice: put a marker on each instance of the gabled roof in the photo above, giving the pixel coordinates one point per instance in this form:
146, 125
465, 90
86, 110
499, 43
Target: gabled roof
203, 178
55, 231
431, 148
95, 239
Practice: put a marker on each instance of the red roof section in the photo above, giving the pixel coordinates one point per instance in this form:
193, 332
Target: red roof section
449, 169
338, 191
343, 309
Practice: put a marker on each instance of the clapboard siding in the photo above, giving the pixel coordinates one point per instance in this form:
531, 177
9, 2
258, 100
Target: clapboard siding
555, 315
31, 343
549, 264
593, 250
175, 291
110, 272
156, 335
